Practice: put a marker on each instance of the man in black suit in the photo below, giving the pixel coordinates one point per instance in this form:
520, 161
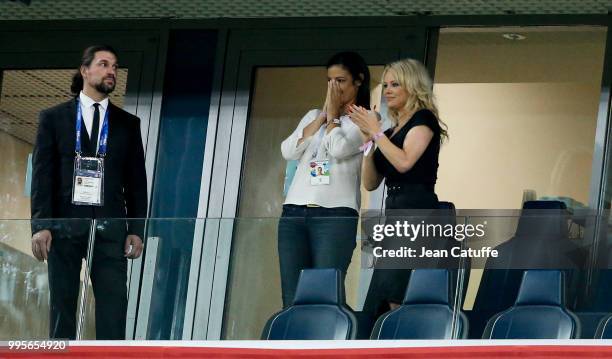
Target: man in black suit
108, 136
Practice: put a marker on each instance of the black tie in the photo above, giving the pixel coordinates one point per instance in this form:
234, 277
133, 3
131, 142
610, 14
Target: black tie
94, 127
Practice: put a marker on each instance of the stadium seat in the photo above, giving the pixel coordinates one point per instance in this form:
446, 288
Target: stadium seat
318, 311
538, 312
426, 311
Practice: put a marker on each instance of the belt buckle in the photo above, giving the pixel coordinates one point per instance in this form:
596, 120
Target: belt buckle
312, 205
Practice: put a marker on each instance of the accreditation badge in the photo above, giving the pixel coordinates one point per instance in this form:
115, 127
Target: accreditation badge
319, 172
88, 181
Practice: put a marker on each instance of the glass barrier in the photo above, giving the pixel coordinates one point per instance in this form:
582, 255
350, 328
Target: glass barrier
267, 252
163, 283
472, 266
168, 250
25, 296
490, 256
542, 257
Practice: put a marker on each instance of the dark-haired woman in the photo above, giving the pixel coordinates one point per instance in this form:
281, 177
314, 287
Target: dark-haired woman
318, 226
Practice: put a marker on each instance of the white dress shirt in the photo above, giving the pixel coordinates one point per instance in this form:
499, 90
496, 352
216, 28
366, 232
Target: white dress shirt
87, 111
341, 147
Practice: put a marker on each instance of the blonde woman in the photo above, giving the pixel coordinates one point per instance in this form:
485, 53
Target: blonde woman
406, 156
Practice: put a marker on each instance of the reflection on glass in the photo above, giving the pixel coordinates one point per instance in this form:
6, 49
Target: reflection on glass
164, 280
541, 241
24, 289
24, 283
169, 247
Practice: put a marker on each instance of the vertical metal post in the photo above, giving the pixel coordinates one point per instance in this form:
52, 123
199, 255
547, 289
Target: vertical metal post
457, 302
84, 287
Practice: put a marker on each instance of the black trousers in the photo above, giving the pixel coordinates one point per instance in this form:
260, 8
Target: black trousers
108, 275
389, 285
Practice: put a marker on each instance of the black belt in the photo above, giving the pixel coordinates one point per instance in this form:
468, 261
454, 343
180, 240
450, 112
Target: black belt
395, 188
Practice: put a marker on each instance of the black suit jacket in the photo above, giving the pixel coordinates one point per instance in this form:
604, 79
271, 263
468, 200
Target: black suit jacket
125, 186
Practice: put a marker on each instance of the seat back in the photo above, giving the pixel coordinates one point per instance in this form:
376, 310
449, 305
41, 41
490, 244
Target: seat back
538, 312
318, 311
425, 313
450, 206
543, 218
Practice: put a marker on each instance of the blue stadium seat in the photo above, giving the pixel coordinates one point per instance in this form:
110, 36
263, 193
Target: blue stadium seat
604, 329
538, 312
318, 311
425, 313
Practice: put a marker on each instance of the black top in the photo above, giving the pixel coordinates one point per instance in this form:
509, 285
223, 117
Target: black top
425, 169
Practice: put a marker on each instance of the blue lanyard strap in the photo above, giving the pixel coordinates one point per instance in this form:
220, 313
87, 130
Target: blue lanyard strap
103, 135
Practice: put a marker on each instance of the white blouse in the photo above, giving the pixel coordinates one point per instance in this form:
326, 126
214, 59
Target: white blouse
341, 147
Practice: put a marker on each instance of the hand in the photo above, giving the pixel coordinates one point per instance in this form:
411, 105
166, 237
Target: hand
364, 136
41, 244
331, 125
321, 119
133, 246
326, 104
367, 121
334, 100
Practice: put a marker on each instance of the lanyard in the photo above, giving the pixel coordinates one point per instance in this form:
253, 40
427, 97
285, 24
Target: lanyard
317, 140
103, 135
317, 143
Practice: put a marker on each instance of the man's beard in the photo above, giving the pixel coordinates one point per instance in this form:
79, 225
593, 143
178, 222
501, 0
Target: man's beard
102, 87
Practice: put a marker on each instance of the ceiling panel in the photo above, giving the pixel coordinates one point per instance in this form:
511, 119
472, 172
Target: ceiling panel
206, 9
24, 93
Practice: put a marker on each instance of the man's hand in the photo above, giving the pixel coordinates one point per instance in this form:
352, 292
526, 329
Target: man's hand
133, 246
41, 244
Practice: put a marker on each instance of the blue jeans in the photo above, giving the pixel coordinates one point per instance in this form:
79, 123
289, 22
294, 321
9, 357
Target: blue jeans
313, 237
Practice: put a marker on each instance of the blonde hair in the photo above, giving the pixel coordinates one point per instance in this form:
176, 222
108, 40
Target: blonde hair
414, 78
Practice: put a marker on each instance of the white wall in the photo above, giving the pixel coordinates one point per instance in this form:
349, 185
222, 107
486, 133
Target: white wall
508, 137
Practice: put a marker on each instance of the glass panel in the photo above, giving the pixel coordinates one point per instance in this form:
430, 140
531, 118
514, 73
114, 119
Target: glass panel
594, 301
417, 262
276, 109
254, 280
24, 281
169, 245
167, 258
530, 240
521, 107
254, 258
